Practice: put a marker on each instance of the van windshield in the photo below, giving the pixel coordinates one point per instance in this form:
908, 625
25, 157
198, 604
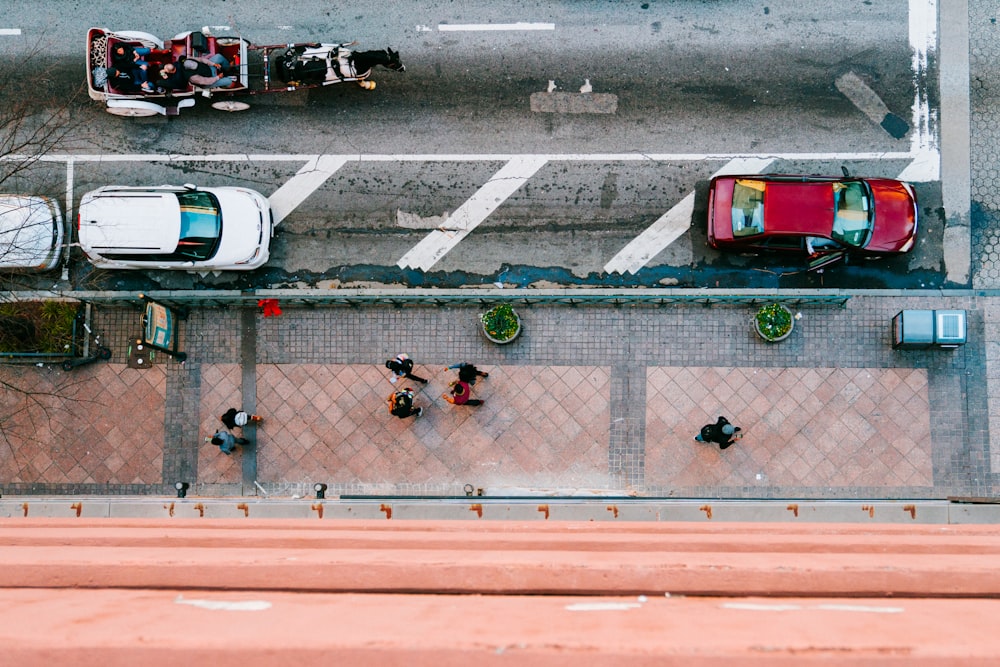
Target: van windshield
201, 226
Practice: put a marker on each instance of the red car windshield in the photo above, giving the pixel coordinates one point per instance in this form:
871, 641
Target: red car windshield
854, 213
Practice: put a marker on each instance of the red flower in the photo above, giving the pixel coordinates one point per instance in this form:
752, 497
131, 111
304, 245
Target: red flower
270, 306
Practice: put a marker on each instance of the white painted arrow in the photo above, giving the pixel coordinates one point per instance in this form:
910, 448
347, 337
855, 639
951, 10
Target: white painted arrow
672, 224
469, 215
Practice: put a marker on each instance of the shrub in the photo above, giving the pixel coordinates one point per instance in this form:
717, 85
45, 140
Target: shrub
501, 322
773, 321
37, 326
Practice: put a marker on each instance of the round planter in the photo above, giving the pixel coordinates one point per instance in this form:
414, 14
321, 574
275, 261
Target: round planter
769, 339
517, 332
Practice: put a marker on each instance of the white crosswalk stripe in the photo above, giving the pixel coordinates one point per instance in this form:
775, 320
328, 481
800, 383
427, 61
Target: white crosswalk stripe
469, 215
308, 179
672, 224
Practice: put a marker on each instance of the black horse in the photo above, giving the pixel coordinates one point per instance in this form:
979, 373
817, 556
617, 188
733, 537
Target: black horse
321, 64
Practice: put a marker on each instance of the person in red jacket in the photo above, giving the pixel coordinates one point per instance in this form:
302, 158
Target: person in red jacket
461, 394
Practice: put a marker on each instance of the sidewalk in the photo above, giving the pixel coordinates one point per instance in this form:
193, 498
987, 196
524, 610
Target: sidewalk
594, 400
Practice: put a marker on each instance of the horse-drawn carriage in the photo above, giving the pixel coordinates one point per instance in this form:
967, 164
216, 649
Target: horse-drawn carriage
240, 69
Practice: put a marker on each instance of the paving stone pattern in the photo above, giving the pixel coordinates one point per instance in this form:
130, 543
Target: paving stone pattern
984, 122
588, 399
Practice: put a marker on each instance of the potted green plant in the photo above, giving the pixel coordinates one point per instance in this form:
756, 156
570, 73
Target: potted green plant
501, 324
774, 322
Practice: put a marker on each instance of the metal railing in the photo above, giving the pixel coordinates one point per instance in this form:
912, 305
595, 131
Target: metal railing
308, 298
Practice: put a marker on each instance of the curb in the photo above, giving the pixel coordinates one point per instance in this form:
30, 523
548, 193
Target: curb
540, 508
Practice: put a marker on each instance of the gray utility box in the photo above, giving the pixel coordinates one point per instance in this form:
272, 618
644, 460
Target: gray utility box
921, 329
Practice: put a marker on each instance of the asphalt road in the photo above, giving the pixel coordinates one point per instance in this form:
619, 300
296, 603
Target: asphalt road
695, 84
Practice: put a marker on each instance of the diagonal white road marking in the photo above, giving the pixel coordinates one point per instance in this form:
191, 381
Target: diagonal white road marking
672, 224
469, 215
744, 165
924, 168
308, 179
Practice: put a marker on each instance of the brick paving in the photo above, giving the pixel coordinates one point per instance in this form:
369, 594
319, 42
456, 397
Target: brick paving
984, 126
832, 412
806, 427
82, 429
330, 424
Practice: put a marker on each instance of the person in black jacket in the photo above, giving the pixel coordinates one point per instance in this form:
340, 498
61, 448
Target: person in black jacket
171, 78
402, 366
121, 81
401, 404
125, 58
721, 432
233, 418
467, 372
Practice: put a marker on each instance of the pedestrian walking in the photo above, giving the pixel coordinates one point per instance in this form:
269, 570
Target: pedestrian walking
721, 432
233, 418
401, 404
402, 366
461, 394
226, 441
467, 372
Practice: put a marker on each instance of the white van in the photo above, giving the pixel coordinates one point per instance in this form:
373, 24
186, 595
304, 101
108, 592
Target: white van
175, 227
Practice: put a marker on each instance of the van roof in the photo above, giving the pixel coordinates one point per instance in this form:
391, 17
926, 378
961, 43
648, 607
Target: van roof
136, 221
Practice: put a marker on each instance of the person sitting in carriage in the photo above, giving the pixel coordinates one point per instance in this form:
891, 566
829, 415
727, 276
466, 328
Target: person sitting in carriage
171, 78
208, 71
122, 81
129, 59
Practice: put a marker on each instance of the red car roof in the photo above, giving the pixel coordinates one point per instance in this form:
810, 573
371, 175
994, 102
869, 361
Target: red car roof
800, 208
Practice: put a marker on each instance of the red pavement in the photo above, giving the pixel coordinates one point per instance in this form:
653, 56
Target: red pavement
503, 558
116, 592
543, 427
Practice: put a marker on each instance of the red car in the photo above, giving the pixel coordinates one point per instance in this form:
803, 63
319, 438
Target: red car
812, 215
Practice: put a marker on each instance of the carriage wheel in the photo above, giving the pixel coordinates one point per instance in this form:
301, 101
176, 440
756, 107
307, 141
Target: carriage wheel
230, 105
132, 112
